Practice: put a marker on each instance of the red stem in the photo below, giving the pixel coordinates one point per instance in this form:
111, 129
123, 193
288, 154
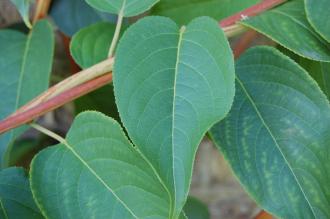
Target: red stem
73, 93
47, 106
252, 11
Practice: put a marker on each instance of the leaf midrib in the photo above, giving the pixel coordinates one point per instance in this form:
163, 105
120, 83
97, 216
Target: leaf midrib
182, 30
20, 80
275, 141
21, 74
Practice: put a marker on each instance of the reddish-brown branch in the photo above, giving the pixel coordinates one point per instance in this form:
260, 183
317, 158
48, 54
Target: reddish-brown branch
252, 11
53, 103
21, 117
263, 215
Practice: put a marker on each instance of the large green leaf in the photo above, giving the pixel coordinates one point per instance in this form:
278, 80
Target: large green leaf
70, 16
195, 209
23, 6
171, 85
318, 15
25, 63
183, 11
276, 137
177, 84
288, 26
16, 200
130, 7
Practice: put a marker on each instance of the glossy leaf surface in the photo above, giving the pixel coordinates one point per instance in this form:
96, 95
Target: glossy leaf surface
288, 26
16, 200
129, 7
23, 61
276, 137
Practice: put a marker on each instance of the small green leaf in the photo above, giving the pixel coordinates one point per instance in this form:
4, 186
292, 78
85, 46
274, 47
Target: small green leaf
70, 16
23, 6
16, 200
276, 137
288, 26
91, 44
177, 85
183, 11
23, 61
130, 7
195, 209
318, 15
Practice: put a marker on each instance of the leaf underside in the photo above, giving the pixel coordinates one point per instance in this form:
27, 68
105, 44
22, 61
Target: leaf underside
187, 79
276, 137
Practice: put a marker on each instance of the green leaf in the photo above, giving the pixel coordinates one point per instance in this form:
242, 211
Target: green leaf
171, 85
318, 15
130, 7
91, 44
70, 16
288, 26
23, 6
16, 200
195, 209
184, 11
276, 137
320, 71
96, 174
188, 85
23, 61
